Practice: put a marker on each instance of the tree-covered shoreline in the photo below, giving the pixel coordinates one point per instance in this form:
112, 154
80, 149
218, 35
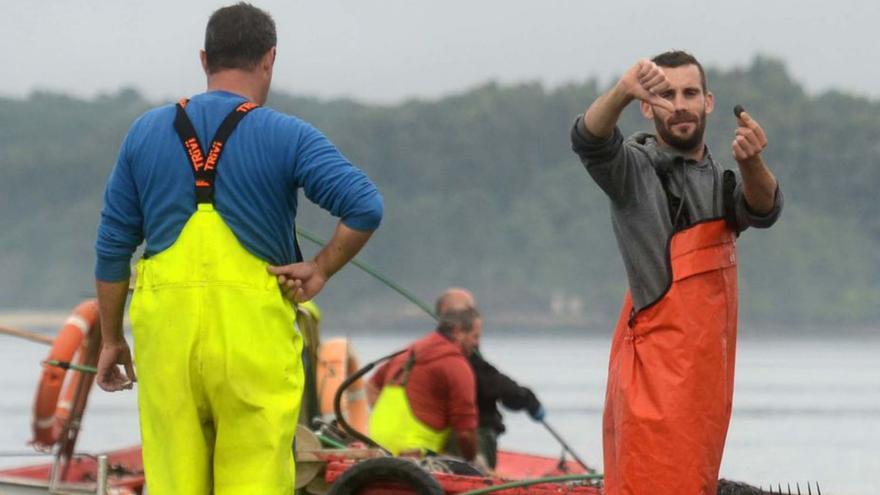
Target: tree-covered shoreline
482, 190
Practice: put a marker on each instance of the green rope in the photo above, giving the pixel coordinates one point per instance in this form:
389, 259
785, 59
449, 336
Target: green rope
427, 309
537, 481
330, 442
317, 240
75, 367
363, 266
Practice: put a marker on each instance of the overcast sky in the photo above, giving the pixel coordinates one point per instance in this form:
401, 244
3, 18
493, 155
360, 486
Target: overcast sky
388, 50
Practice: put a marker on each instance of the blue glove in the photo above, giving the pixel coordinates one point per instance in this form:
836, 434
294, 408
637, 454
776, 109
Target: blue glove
538, 414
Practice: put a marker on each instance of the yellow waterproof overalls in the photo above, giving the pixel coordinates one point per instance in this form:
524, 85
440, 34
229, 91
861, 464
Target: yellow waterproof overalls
394, 426
217, 353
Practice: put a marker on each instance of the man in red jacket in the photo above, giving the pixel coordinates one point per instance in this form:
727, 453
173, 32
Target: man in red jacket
493, 386
428, 393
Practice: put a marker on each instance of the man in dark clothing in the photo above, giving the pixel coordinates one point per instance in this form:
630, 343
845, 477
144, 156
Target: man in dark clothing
494, 386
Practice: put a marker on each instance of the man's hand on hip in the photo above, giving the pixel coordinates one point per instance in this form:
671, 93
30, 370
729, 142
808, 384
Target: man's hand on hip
300, 282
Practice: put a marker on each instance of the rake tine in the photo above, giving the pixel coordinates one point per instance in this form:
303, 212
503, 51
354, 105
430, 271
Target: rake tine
817, 489
798, 485
789, 488
779, 487
809, 490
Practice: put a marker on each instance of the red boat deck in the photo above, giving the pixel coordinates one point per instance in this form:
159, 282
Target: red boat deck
126, 472
512, 466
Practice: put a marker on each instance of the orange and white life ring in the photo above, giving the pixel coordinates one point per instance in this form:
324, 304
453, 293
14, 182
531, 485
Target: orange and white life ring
50, 414
336, 361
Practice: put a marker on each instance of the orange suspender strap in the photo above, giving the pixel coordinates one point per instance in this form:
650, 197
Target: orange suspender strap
205, 167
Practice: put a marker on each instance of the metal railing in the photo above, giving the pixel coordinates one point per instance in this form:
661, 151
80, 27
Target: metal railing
57, 487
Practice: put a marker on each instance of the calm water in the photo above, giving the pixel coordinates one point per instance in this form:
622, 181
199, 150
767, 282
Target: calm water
805, 408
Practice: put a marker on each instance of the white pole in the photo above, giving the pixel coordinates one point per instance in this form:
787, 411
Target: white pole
102, 475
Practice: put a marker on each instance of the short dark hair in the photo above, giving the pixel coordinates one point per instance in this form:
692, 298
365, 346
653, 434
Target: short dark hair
237, 37
457, 318
679, 58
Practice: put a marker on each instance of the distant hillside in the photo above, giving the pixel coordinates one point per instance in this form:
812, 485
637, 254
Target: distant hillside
482, 190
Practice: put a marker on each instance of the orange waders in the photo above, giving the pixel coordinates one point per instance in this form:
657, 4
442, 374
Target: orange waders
670, 376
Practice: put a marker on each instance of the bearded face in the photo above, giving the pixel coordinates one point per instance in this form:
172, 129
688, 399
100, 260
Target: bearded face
682, 130
682, 126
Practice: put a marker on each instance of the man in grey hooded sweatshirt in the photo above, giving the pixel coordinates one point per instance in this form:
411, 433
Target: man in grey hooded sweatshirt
676, 214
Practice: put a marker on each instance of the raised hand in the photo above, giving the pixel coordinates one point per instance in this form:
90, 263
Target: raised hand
646, 81
758, 183
749, 141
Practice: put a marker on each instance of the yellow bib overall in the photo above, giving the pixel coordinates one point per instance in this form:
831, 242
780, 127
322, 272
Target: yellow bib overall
218, 359
394, 426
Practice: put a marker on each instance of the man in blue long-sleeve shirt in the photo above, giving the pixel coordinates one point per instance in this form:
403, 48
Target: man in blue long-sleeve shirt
210, 185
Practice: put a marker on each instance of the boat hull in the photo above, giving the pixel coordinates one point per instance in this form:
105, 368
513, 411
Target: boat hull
126, 476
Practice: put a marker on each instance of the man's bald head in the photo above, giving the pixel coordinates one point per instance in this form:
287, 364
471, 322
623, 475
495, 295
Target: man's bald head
454, 299
459, 320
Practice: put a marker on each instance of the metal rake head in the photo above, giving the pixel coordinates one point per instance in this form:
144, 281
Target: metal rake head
726, 487
797, 489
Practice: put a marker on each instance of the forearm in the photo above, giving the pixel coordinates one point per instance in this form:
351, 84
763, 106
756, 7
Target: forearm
111, 305
467, 443
505, 389
342, 247
601, 117
758, 186
519, 398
